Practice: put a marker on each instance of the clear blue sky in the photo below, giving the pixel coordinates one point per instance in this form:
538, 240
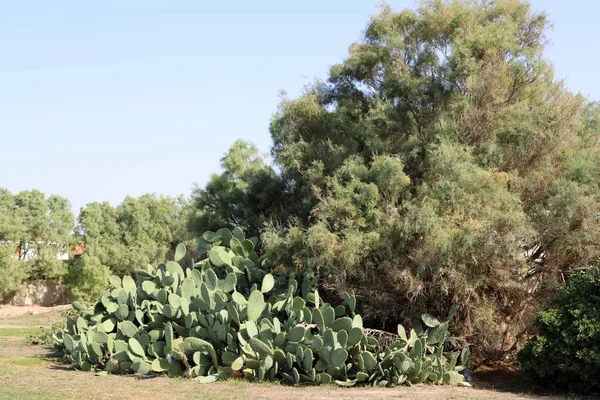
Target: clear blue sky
99, 100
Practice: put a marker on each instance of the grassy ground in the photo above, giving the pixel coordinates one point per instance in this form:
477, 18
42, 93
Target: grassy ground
33, 372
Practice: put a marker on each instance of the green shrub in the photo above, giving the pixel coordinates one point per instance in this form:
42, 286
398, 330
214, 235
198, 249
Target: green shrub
566, 351
12, 272
87, 277
228, 316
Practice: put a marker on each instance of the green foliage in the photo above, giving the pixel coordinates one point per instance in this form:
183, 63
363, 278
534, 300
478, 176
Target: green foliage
200, 322
247, 194
12, 271
87, 277
139, 231
566, 351
29, 217
440, 163
45, 336
33, 230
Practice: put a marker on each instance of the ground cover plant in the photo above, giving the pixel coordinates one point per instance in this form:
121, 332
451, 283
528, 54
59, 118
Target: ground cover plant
228, 316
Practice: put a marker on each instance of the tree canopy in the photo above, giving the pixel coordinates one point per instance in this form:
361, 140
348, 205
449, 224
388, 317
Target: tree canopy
119, 240
248, 194
139, 231
440, 162
34, 229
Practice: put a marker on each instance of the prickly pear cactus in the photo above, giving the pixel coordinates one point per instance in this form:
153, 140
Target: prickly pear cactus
227, 316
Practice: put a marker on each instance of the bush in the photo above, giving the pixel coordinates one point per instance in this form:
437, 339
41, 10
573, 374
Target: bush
87, 277
440, 162
228, 316
12, 272
566, 351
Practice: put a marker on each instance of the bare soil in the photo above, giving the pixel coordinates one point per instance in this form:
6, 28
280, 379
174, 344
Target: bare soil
8, 311
28, 372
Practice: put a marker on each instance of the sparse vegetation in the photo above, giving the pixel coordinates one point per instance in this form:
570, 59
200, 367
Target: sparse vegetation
44, 336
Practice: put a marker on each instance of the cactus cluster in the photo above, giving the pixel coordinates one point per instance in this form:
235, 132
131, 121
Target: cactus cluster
227, 316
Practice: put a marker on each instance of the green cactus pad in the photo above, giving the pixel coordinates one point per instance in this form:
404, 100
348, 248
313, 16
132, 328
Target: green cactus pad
430, 320
296, 334
344, 323
256, 305
260, 347
180, 252
267, 284
115, 281
338, 357
226, 317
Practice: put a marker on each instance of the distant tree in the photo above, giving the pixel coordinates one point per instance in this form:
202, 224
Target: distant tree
247, 194
8, 228
138, 232
12, 271
34, 230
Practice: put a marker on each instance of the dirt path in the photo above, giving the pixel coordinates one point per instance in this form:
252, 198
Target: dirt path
8, 311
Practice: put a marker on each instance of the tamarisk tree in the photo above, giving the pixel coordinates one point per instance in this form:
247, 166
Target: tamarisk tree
441, 162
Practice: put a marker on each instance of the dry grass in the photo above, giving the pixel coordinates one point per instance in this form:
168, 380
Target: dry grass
28, 372
29, 316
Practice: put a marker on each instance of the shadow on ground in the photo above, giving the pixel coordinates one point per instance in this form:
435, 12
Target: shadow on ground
507, 379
